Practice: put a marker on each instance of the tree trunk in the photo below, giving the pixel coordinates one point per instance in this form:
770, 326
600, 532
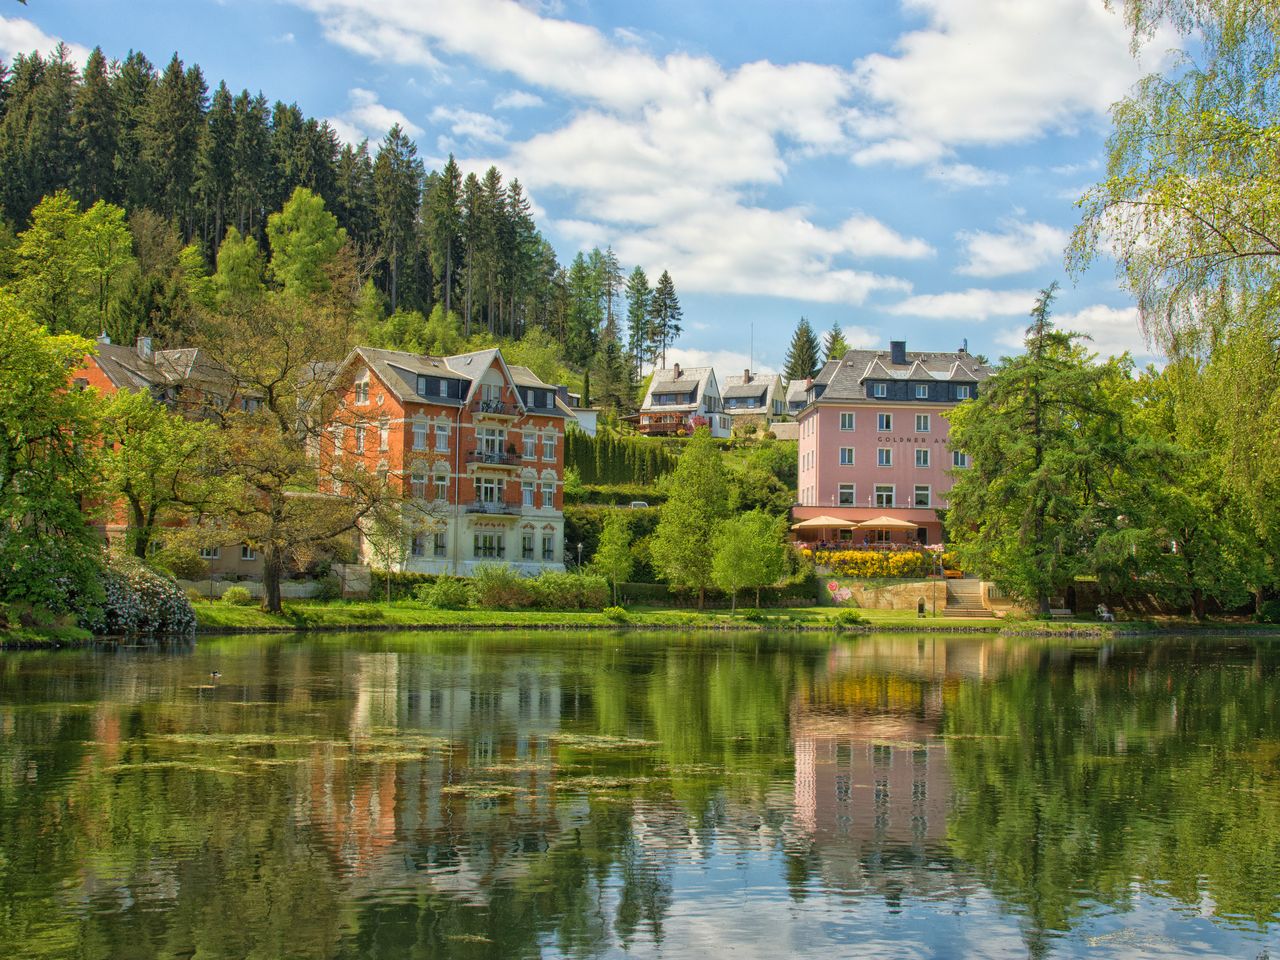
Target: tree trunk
272, 574
757, 598
702, 597
1198, 604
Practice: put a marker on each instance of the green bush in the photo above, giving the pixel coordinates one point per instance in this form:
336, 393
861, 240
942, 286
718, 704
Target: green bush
570, 591
138, 601
616, 615
849, 618
447, 593
403, 583
1268, 612
498, 587
183, 564
330, 587
238, 597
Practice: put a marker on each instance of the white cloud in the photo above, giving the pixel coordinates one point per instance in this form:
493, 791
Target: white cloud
19, 36
860, 338
727, 363
994, 72
1019, 247
517, 100
367, 118
971, 304
1112, 330
468, 125
959, 175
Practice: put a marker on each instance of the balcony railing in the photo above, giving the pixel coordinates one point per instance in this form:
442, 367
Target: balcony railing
499, 507
498, 457
495, 406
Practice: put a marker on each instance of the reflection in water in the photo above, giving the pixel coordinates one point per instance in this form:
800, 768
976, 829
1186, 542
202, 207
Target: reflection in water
411, 796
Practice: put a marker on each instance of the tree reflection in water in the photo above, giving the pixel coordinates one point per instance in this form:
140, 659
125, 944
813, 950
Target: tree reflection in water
415, 796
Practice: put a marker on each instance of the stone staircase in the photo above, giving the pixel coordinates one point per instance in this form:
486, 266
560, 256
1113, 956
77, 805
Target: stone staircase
964, 599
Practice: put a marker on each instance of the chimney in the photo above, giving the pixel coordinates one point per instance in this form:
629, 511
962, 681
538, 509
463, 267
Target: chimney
898, 351
746, 376
676, 368
808, 383
143, 346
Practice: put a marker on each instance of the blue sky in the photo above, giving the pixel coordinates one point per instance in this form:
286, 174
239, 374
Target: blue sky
904, 168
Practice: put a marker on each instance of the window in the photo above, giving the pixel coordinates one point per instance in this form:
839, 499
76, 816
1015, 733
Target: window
848, 495
962, 392
884, 422
922, 456
879, 389
884, 457
490, 392
489, 490
247, 552
362, 389
923, 495
419, 436
526, 546
549, 446
922, 423
442, 486
847, 421
530, 446
439, 545
489, 546
959, 460
384, 433
418, 484
250, 404
359, 438
846, 456
881, 536
922, 391
492, 441
210, 553
418, 546
526, 493
548, 547
884, 495
444, 388
422, 384
548, 495
442, 438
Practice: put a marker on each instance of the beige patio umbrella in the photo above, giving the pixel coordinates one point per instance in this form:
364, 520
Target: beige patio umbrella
824, 523
886, 523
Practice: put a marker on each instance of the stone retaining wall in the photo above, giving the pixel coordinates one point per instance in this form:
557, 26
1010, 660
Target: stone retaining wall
883, 594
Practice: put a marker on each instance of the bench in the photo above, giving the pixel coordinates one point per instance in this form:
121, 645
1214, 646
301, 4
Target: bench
1061, 613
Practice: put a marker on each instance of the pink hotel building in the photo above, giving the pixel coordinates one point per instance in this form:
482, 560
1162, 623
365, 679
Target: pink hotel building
873, 440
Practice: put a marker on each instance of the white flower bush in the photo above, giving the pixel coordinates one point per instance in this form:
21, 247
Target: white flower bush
140, 602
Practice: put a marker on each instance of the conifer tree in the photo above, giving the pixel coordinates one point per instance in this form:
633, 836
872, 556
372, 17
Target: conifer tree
834, 345
664, 317
638, 294
93, 122
802, 356
397, 179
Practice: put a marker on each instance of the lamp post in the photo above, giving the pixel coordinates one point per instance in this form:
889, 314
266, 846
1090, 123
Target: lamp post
579, 555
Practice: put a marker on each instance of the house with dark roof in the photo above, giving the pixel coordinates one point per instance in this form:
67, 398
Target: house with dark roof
756, 398
679, 400
477, 446
874, 441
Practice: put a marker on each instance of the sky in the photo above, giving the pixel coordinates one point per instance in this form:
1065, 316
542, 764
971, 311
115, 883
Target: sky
906, 169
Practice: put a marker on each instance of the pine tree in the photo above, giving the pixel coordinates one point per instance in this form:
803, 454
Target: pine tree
172, 126
802, 356
217, 157
354, 191
834, 345
664, 318
397, 180
252, 162
638, 294
93, 122
442, 215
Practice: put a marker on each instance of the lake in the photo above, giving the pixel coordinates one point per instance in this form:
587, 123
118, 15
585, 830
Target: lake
418, 795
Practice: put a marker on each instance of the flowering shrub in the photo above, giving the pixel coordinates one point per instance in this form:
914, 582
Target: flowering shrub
871, 564
139, 601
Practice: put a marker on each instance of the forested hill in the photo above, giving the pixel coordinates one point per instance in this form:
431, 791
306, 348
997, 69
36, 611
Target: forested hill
141, 138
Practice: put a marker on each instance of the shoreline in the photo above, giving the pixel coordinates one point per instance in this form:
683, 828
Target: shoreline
1066, 631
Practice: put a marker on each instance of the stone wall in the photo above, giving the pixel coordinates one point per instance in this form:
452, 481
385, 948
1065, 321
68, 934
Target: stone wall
883, 594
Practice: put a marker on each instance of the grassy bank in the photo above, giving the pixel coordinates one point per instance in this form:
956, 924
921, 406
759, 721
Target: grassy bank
34, 638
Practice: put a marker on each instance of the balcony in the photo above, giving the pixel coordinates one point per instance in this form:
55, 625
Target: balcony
496, 407
493, 458
494, 507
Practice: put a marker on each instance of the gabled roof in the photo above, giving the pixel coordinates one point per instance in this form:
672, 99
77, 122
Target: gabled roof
691, 380
844, 379
125, 368
796, 390
473, 366
760, 383
399, 370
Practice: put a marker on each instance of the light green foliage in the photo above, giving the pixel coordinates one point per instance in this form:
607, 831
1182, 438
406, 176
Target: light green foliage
157, 462
304, 237
613, 559
72, 265
48, 555
765, 479
447, 593
834, 345
1047, 441
749, 552
688, 520
238, 597
538, 351
196, 280
238, 278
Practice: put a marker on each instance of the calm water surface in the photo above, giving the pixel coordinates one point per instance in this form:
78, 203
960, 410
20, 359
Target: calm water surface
423, 796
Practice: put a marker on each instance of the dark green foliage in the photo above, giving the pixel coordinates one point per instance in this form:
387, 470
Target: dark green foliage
608, 459
1268, 612
802, 356
665, 315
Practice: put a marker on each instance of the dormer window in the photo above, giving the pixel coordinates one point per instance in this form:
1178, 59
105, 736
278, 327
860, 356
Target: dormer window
922, 391
423, 385
962, 392
879, 389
